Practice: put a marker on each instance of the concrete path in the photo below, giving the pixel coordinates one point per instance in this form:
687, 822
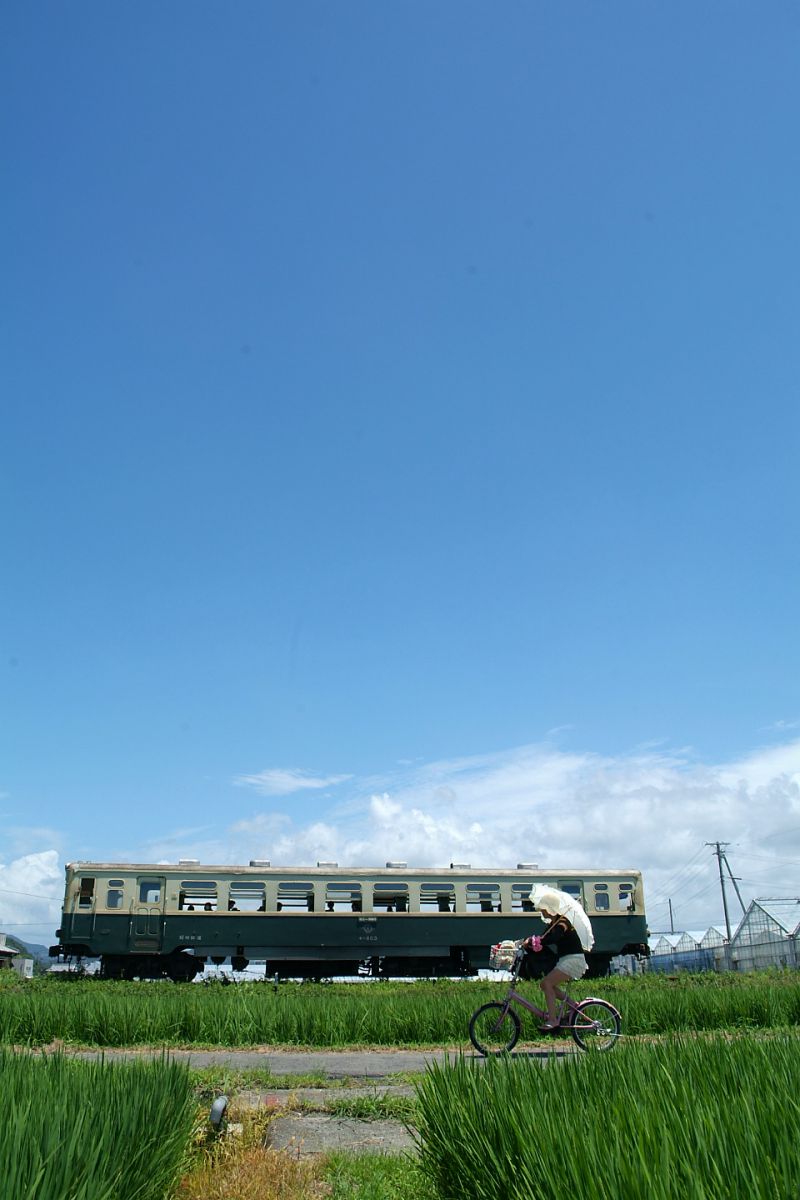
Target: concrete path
334, 1064
318, 1097
313, 1132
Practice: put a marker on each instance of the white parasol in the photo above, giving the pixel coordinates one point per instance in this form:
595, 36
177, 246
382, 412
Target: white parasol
556, 901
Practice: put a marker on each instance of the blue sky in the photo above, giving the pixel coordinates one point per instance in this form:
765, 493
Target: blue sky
400, 438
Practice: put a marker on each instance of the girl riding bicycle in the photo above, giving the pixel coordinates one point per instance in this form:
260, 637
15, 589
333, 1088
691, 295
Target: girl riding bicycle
569, 934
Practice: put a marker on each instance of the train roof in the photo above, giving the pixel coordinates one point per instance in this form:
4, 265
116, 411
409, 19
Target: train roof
323, 869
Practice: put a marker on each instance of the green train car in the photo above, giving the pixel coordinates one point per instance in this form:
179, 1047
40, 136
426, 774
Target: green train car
150, 921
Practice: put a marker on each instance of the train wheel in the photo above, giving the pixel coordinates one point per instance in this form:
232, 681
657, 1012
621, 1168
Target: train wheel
182, 968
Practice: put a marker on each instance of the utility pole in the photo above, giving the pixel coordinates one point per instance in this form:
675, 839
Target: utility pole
671, 922
735, 884
720, 855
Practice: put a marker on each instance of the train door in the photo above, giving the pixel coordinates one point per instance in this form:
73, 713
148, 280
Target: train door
148, 911
83, 909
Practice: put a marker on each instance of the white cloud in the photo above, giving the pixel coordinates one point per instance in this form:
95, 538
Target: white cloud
28, 839
384, 810
262, 825
283, 781
31, 893
782, 726
651, 809
764, 766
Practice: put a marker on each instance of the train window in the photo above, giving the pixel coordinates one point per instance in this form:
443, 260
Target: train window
602, 900
437, 897
390, 897
343, 897
114, 897
86, 893
573, 888
626, 897
199, 895
295, 896
521, 897
247, 896
483, 897
149, 891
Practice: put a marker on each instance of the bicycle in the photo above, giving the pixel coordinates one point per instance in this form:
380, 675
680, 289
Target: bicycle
494, 1028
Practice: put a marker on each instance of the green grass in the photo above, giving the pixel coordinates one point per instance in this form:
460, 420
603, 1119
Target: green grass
380, 1107
209, 1082
375, 1177
710, 1119
92, 1131
708, 1001
99, 1013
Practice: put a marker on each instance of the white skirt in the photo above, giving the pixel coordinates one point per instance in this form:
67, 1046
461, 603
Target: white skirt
574, 965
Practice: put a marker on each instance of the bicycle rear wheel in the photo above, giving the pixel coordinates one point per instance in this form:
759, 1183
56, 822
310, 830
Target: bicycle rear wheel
494, 1029
595, 1025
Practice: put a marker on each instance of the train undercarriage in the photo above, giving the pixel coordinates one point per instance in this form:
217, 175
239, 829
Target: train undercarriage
182, 966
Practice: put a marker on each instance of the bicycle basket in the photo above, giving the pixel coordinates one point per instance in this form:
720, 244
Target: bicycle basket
502, 955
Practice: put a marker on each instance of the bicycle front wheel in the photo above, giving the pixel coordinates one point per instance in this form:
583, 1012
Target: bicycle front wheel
595, 1025
494, 1029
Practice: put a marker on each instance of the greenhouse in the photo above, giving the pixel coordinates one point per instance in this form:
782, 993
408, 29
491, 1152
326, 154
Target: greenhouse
713, 937
671, 952
767, 935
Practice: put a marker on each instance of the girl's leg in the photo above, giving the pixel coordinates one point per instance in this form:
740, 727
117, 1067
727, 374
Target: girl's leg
552, 992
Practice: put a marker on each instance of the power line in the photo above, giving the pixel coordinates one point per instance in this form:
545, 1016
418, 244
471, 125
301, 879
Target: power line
31, 895
685, 901
27, 924
782, 832
769, 858
673, 879
703, 891
676, 880
770, 883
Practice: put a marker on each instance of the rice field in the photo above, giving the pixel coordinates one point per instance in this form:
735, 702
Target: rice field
92, 1131
106, 1014
710, 1119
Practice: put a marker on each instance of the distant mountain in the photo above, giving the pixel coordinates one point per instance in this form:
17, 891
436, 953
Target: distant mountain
31, 949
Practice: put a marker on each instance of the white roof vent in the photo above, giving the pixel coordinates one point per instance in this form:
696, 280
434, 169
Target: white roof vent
527, 866
328, 865
460, 867
397, 866
188, 862
260, 862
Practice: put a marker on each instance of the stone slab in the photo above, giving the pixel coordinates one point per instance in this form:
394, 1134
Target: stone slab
317, 1134
316, 1097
